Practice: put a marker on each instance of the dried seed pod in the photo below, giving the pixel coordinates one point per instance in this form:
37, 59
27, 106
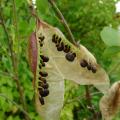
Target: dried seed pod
41, 99
70, 56
44, 58
83, 63
43, 74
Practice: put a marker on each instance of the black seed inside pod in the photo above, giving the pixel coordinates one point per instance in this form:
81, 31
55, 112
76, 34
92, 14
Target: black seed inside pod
56, 37
44, 58
43, 74
39, 83
41, 44
53, 36
60, 48
83, 63
41, 38
42, 63
42, 79
40, 66
94, 69
59, 40
45, 86
74, 54
66, 48
70, 56
44, 92
41, 99
89, 67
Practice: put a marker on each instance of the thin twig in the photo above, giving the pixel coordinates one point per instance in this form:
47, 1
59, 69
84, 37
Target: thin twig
16, 29
6, 74
13, 102
14, 65
88, 96
80, 98
9, 40
60, 15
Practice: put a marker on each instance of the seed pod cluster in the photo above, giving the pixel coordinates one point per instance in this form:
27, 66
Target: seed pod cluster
42, 82
61, 46
89, 66
70, 55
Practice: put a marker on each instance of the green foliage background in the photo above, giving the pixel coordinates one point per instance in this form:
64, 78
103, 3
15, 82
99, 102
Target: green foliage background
86, 18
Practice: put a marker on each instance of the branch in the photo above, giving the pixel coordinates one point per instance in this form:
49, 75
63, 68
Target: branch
7, 35
60, 15
16, 28
13, 102
80, 98
20, 90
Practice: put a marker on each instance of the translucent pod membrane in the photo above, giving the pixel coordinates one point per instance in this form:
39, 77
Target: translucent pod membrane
62, 60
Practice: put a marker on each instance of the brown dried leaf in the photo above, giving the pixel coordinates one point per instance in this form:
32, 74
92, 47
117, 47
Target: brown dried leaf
110, 102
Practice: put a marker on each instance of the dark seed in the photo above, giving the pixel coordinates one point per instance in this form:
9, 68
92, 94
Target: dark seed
59, 40
94, 69
70, 56
66, 49
44, 58
40, 66
74, 54
39, 83
41, 44
44, 92
83, 63
53, 40
42, 38
56, 37
53, 36
42, 63
41, 99
43, 74
62, 45
60, 48
42, 79
45, 86
89, 67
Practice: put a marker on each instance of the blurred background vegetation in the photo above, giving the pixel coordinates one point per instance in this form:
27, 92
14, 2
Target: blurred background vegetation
93, 22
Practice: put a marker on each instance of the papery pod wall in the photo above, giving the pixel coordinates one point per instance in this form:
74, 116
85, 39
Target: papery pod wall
53, 59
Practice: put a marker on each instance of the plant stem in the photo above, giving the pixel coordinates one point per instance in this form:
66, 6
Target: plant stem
60, 15
20, 90
9, 40
13, 102
16, 29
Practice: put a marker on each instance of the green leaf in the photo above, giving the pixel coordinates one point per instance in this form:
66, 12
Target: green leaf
110, 36
111, 51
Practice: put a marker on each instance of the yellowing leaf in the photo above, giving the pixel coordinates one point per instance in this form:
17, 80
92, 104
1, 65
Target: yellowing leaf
66, 61
110, 102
